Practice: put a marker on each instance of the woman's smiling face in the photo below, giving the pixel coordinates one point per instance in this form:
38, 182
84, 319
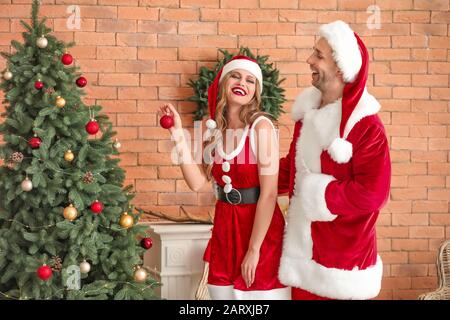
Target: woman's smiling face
240, 87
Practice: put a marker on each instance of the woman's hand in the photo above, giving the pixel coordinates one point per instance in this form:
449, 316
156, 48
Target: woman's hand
248, 266
169, 109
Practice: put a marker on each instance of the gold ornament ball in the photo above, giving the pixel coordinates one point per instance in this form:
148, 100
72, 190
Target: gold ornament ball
27, 185
69, 156
140, 275
117, 144
42, 42
60, 102
70, 213
126, 221
7, 75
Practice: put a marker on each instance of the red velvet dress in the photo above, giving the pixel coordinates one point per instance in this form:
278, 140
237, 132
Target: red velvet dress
233, 227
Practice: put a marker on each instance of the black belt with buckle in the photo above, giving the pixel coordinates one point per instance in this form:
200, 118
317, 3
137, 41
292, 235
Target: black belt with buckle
238, 196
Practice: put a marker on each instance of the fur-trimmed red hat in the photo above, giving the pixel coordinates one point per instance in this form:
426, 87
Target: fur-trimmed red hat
237, 62
352, 58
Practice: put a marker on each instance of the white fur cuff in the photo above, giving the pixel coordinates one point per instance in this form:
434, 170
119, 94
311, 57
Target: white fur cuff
312, 196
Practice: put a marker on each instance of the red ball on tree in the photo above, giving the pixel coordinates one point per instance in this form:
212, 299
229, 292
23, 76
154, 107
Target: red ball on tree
166, 121
34, 142
39, 85
81, 82
96, 207
146, 243
44, 272
92, 127
67, 59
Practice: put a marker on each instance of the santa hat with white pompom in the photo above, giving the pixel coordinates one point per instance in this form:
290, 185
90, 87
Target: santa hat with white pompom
237, 62
352, 58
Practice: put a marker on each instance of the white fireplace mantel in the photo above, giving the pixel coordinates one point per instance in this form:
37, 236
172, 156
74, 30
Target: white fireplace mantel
176, 257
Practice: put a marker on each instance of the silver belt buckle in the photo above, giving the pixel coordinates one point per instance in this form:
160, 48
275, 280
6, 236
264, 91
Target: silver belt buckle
234, 197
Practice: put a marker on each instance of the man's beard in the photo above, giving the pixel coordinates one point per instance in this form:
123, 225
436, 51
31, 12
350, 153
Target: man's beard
319, 82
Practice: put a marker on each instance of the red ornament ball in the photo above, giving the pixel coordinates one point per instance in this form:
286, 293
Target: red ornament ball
44, 272
92, 127
96, 207
67, 59
34, 142
81, 82
146, 243
166, 122
38, 85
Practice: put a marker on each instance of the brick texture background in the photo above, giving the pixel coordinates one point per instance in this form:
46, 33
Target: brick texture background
138, 54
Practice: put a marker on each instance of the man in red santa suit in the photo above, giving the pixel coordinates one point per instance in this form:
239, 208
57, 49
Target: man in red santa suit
337, 173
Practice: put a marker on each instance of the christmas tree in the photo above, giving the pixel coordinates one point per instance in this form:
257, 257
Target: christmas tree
67, 228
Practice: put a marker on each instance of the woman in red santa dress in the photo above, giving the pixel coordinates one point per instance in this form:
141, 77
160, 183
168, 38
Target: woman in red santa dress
241, 157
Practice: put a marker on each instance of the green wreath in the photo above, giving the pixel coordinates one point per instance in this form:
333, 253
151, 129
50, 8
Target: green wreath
272, 95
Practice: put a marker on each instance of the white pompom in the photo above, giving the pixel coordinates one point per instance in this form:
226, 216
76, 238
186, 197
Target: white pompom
340, 150
211, 124
226, 179
227, 188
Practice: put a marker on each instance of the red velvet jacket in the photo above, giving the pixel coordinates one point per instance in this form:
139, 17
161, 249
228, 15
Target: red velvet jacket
330, 240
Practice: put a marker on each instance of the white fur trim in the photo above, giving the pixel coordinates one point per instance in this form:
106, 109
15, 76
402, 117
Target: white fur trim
366, 106
220, 292
331, 282
273, 294
312, 204
238, 149
230, 293
211, 124
324, 122
340, 150
320, 127
342, 40
244, 64
308, 99
253, 128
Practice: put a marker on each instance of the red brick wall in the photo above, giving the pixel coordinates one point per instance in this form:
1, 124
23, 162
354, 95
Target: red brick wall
138, 54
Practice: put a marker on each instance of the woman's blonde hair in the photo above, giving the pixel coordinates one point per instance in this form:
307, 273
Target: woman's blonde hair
248, 113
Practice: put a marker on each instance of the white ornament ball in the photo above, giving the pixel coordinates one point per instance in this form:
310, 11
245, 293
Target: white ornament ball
211, 124
42, 42
7, 75
27, 185
85, 267
140, 275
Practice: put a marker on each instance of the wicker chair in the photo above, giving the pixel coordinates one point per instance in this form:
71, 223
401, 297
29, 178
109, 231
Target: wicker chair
202, 292
443, 269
